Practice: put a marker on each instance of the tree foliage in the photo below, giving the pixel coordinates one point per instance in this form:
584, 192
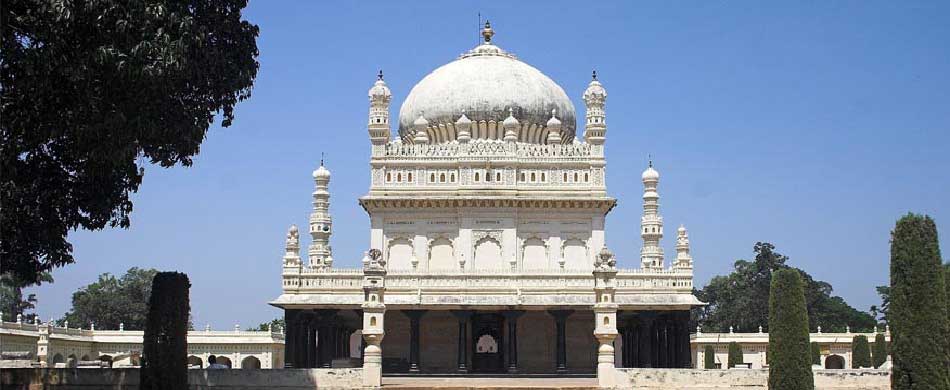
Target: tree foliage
815, 353
880, 312
740, 299
735, 354
94, 90
790, 365
12, 301
111, 301
165, 342
918, 307
273, 326
879, 355
860, 352
709, 357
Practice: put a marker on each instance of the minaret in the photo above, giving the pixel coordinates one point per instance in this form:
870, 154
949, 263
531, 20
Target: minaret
683, 259
321, 224
421, 125
292, 248
379, 98
651, 225
595, 97
554, 129
511, 126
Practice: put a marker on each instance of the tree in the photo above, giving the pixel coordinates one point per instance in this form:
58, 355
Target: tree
880, 350
735, 354
111, 301
815, 353
91, 92
12, 302
790, 366
880, 312
918, 308
860, 352
273, 325
165, 342
709, 357
740, 299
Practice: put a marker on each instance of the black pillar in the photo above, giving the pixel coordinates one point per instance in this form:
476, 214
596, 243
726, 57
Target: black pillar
290, 340
415, 317
511, 317
325, 322
686, 359
646, 339
310, 354
560, 328
462, 316
663, 351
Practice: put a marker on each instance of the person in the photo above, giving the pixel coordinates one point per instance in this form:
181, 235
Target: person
214, 365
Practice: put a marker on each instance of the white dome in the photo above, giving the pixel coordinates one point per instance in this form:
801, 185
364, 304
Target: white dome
484, 84
650, 174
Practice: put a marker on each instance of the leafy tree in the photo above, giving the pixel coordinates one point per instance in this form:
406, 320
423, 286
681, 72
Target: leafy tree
273, 325
12, 301
880, 312
918, 308
92, 91
111, 301
740, 299
735, 354
880, 350
165, 342
709, 357
790, 366
860, 352
815, 353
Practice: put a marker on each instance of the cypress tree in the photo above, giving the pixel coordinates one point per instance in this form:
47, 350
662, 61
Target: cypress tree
165, 343
735, 354
918, 307
790, 366
709, 357
860, 352
880, 350
815, 353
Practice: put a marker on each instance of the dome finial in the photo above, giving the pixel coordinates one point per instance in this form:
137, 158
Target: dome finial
594, 74
487, 32
380, 75
650, 160
321, 158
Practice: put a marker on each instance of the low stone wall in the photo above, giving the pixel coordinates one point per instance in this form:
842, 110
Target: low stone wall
756, 379
128, 379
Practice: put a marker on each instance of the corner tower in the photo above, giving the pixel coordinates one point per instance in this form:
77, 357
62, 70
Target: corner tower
651, 224
321, 224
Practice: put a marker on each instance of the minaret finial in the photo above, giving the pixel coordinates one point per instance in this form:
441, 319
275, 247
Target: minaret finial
380, 75
322, 155
594, 74
487, 32
650, 163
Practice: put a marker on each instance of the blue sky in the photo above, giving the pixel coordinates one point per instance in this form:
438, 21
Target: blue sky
812, 125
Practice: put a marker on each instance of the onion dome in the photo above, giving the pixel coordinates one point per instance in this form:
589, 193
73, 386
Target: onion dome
650, 174
379, 88
321, 172
484, 83
554, 121
595, 91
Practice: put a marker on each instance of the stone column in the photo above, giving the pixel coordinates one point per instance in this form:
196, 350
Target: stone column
463, 316
560, 329
605, 315
415, 317
290, 340
374, 311
42, 344
511, 317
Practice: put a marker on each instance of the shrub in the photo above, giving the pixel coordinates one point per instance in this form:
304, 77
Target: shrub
790, 366
735, 354
165, 344
860, 352
815, 353
880, 350
918, 307
709, 357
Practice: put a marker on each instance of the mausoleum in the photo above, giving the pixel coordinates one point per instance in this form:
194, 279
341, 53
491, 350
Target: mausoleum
487, 254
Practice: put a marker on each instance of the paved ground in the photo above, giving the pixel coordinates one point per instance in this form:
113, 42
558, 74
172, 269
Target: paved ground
493, 383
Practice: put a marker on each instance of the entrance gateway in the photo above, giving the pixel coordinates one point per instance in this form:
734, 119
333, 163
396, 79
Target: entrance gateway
487, 206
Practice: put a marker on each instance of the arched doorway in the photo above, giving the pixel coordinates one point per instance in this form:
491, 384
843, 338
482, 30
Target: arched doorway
250, 363
195, 362
107, 359
487, 346
71, 361
834, 362
223, 360
58, 358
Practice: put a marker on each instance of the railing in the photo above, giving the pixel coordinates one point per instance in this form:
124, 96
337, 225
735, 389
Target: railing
481, 148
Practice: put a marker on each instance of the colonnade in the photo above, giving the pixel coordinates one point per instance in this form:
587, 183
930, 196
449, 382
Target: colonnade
654, 339
316, 337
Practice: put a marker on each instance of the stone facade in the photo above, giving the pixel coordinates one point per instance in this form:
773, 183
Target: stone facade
128, 379
755, 379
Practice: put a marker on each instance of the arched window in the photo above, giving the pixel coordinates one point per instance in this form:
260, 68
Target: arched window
442, 178
586, 177
389, 177
432, 178
399, 177
543, 177
575, 176
522, 176
532, 177
498, 176
410, 177
476, 177
565, 177
452, 177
